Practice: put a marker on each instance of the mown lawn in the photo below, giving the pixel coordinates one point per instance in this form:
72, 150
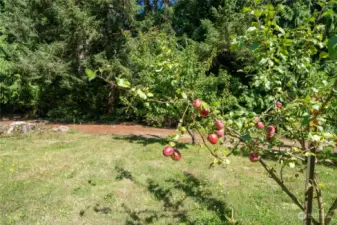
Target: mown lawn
100, 179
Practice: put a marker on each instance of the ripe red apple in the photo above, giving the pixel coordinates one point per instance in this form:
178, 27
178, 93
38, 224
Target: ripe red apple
168, 151
204, 112
279, 104
219, 125
197, 103
254, 157
176, 156
271, 131
220, 133
259, 125
213, 138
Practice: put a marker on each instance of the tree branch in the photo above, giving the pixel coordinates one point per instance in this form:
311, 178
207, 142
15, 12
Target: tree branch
281, 184
203, 139
331, 212
320, 203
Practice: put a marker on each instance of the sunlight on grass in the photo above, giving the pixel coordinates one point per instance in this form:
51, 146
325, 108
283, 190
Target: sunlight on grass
102, 179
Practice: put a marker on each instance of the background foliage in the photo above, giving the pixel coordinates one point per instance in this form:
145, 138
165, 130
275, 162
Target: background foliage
203, 48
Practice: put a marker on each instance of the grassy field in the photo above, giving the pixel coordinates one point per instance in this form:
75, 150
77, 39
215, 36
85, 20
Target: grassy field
100, 179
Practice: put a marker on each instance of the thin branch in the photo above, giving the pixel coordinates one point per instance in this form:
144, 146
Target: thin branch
203, 139
331, 212
281, 184
281, 173
235, 147
184, 114
322, 108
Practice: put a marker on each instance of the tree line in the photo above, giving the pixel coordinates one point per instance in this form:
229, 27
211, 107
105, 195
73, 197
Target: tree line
171, 47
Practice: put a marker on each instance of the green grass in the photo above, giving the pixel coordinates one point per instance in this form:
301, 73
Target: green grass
100, 179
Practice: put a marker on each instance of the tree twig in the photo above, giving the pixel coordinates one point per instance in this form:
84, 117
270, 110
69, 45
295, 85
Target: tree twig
281, 184
203, 139
331, 212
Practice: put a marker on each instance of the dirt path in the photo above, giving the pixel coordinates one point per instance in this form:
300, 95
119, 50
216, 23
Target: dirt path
124, 129
118, 129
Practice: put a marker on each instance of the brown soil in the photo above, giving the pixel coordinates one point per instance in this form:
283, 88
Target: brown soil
127, 130
117, 129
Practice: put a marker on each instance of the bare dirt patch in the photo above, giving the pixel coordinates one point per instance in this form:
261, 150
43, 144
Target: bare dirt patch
116, 129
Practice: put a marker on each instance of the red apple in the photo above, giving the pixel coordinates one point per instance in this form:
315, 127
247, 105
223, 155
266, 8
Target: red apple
168, 151
254, 157
213, 138
271, 131
279, 104
204, 112
176, 156
259, 125
219, 125
197, 103
220, 133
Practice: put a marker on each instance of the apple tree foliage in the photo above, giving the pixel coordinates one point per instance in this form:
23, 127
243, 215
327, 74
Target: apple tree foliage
295, 69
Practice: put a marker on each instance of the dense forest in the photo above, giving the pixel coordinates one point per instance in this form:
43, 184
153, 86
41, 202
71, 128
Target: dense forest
164, 48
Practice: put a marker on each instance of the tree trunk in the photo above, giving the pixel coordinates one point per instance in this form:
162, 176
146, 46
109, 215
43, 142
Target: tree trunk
309, 186
147, 5
111, 100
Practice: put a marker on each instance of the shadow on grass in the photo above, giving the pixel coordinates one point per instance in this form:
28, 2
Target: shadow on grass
147, 140
207, 210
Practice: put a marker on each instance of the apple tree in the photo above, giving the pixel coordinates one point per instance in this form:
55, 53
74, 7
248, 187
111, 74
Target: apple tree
295, 69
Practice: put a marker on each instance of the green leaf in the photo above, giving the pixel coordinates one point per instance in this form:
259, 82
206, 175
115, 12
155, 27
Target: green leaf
305, 121
149, 95
172, 144
123, 83
246, 9
332, 47
328, 13
257, 13
323, 55
176, 137
91, 74
292, 165
254, 46
246, 137
315, 138
141, 94
250, 29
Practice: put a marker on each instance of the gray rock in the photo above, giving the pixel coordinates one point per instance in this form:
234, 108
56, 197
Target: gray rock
3, 129
20, 127
62, 129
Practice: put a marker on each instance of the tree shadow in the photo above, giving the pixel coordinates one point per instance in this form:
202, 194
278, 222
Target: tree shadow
123, 174
151, 216
190, 187
148, 139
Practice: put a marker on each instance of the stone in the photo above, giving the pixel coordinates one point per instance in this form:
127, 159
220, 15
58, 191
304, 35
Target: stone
20, 127
62, 129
